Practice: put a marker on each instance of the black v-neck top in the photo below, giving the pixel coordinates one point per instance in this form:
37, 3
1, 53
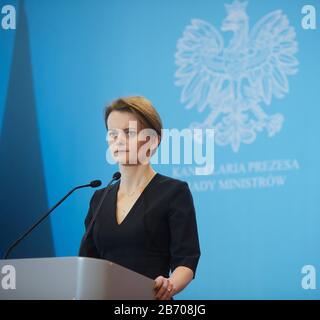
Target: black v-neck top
157, 235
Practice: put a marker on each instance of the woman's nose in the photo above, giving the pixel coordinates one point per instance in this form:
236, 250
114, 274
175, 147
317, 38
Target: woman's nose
121, 138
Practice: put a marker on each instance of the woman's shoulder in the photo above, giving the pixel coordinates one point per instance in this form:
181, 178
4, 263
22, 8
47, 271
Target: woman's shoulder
162, 183
103, 191
171, 183
176, 191
168, 179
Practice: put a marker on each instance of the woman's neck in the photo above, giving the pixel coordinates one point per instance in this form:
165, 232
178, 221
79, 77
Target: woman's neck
133, 177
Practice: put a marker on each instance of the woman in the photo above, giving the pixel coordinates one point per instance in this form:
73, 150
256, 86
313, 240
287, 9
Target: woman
147, 221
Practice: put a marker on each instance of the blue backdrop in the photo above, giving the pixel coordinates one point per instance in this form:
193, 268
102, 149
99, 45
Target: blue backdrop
258, 214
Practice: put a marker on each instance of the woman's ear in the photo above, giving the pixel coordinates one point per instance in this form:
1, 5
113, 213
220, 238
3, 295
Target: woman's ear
154, 145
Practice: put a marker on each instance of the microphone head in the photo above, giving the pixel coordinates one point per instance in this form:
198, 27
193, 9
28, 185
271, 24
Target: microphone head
116, 176
95, 183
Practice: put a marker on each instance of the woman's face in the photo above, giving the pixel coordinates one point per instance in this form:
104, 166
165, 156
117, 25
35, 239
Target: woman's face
127, 140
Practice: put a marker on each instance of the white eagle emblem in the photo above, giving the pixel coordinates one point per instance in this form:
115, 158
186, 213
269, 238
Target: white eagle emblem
235, 80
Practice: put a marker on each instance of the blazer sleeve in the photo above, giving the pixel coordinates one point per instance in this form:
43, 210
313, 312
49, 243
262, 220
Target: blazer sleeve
87, 246
184, 240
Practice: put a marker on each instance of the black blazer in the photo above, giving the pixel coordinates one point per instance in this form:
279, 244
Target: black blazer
158, 234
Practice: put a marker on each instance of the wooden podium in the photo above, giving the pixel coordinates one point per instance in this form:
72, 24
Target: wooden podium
73, 278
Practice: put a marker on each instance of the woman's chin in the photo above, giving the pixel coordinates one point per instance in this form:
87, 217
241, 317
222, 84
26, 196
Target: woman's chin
123, 160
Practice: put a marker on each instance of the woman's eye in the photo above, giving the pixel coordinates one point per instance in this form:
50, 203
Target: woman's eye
131, 133
112, 134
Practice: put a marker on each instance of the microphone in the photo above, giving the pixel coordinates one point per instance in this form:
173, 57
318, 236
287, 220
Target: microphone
116, 176
95, 183
92, 184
